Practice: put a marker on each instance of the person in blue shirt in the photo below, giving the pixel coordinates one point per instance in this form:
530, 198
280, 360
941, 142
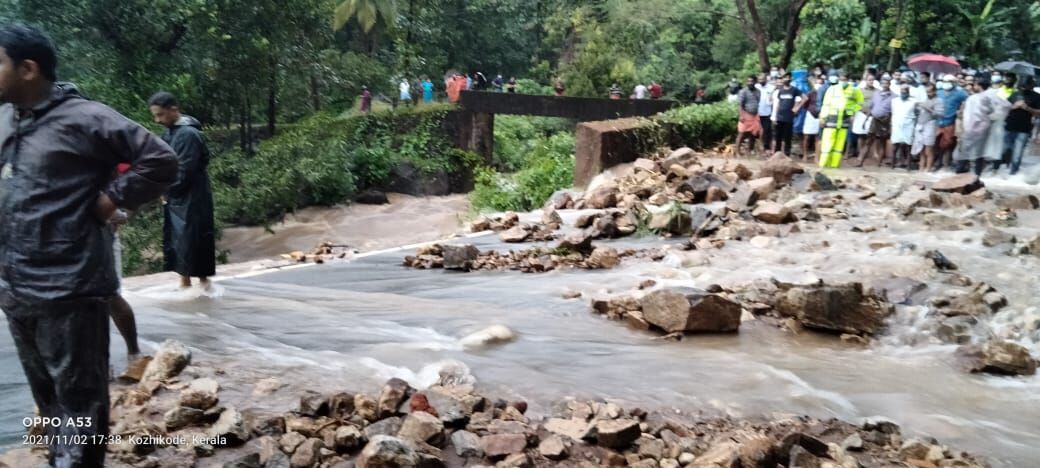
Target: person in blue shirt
953, 97
427, 90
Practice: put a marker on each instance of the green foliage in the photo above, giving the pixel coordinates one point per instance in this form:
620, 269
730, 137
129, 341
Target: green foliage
142, 240
546, 169
323, 160
700, 125
367, 13
518, 136
821, 41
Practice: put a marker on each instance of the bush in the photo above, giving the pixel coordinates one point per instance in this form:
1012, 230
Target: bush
700, 125
517, 136
548, 167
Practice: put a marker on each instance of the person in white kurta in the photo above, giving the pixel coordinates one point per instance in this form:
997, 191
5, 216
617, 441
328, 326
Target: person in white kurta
903, 119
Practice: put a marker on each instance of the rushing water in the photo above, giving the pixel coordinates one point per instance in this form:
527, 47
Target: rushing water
352, 325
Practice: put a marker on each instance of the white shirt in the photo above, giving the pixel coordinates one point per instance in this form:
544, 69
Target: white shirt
918, 93
641, 92
902, 110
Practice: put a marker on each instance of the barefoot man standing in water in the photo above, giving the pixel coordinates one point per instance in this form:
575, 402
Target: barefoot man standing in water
58, 156
188, 239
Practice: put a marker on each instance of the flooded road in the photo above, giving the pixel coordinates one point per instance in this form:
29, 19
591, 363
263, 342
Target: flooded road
353, 325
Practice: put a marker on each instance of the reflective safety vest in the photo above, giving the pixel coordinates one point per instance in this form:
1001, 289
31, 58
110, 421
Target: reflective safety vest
839, 105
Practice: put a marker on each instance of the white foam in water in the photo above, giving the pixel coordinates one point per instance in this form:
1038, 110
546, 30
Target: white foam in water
430, 374
179, 294
803, 388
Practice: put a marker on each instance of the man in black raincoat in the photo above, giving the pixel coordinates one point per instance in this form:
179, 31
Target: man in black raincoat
188, 241
58, 191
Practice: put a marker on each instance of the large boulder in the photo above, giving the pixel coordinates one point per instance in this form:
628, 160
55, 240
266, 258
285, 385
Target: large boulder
580, 241
690, 311
899, 290
995, 237
1022, 202
372, 197
515, 234
839, 308
763, 186
960, 183
772, 213
704, 222
822, 183
982, 299
500, 445
576, 429
699, 185
181, 417
459, 257
307, 454
781, 168
230, 427
676, 220
603, 257
421, 426
603, 197
395, 392
617, 434
743, 198
171, 358
200, 394
387, 452
1000, 357
682, 157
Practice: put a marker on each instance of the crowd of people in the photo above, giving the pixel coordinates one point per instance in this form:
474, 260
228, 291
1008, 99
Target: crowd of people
414, 91
640, 91
964, 121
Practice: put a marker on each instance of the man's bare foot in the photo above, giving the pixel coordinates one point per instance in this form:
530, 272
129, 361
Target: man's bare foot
135, 367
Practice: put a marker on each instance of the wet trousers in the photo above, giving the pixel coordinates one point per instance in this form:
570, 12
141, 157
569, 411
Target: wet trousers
832, 144
63, 348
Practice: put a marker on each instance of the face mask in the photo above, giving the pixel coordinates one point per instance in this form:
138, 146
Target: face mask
997, 78
833, 80
904, 96
844, 84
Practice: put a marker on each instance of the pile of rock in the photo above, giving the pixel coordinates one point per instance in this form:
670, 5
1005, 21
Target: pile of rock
674, 312
497, 224
571, 253
322, 253
847, 309
449, 424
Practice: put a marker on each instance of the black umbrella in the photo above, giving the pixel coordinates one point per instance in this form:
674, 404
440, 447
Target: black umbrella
1018, 68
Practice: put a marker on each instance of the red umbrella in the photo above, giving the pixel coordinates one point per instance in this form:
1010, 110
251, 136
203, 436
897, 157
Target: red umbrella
934, 64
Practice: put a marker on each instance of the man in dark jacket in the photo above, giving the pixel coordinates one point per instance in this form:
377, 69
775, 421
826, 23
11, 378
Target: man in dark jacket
58, 157
188, 241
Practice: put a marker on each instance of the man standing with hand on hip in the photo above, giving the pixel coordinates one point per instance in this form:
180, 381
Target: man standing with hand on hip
59, 153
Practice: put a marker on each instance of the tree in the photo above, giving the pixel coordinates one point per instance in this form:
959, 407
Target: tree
983, 27
751, 21
367, 12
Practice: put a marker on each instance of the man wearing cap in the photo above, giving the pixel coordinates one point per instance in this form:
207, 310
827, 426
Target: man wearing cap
953, 97
839, 106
